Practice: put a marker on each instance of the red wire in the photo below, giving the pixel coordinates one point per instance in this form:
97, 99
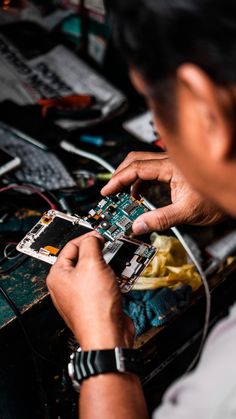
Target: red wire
31, 188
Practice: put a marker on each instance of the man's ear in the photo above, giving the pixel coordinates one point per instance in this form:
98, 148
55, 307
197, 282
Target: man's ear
211, 103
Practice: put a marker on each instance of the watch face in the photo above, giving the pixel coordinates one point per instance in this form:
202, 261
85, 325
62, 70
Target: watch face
71, 372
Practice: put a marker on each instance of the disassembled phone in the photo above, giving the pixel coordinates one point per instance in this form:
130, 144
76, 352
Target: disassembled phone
127, 257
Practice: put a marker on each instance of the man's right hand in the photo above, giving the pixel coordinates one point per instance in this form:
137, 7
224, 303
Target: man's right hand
187, 207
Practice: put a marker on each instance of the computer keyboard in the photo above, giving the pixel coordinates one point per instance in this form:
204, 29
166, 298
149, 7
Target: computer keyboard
38, 167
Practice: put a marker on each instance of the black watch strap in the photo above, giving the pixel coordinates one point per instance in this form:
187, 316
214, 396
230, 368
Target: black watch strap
85, 364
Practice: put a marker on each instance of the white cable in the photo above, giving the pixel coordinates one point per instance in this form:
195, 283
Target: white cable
207, 294
65, 145
72, 149
7, 255
179, 236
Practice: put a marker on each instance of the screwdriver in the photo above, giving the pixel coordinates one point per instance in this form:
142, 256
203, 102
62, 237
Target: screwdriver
96, 140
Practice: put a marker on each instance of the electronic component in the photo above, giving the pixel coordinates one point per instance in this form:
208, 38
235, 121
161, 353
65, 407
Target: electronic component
128, 258
84, 179
114, 215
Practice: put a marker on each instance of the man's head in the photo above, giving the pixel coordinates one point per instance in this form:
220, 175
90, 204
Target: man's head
182, 57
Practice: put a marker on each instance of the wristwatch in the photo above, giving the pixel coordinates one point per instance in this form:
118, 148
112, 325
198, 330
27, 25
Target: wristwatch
83, 364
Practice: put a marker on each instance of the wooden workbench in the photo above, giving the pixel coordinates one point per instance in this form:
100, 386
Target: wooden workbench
168, 349
25, 286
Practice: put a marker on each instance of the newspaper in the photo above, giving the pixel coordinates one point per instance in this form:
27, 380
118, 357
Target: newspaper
59, 72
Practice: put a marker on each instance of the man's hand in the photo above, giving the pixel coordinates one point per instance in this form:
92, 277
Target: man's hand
187, 207
85, 292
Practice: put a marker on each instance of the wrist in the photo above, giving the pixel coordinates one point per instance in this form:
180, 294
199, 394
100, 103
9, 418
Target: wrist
107, 338
103, 342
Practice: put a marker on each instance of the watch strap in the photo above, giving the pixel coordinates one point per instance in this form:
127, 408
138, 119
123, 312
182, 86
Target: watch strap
85, 364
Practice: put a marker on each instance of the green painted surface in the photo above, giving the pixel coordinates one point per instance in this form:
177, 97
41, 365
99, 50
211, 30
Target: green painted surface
25, 286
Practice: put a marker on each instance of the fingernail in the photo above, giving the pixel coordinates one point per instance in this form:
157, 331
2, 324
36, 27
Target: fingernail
97, 235
103, 190
140, 227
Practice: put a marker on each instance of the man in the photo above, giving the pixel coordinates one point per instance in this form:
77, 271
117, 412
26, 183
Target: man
182, 58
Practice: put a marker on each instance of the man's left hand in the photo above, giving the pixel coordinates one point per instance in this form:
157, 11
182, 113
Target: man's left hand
86, 294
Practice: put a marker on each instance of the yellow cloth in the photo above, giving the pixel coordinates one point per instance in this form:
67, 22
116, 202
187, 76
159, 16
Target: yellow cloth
169, 267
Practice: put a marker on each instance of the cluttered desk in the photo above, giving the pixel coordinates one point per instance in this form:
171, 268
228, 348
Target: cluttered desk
63, 130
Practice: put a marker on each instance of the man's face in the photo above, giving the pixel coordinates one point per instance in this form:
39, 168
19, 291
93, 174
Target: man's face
195, 143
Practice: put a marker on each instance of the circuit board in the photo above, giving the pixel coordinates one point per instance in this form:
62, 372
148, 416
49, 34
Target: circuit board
114, 215
127, 257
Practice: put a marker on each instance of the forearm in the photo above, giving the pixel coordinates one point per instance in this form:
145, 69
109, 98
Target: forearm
111, 396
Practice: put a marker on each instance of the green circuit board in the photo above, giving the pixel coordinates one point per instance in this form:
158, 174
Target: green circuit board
114, 215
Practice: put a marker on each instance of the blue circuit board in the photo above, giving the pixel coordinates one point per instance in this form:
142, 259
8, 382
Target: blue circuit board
114, 215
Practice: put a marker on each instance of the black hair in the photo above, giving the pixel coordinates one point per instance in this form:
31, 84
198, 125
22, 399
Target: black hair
157, 36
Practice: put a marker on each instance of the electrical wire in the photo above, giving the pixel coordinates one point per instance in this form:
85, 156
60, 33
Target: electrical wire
7, 253
42, 189
20, 260
19, 318
65, 145
17, 312
202, 274
35, 354
207, 294
30, 188
72, 149
6, 256
13, 266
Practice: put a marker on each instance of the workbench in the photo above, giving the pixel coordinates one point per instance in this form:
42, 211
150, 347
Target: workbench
167, 350
22, 393
26, 288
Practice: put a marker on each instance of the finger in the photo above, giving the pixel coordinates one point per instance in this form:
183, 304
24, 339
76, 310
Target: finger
90, 251
92, 233
160, 170
131, 158
139, 155
159, 219
68, 257
69, 254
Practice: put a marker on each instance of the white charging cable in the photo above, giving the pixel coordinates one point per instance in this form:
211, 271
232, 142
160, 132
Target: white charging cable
189, 252
75, 150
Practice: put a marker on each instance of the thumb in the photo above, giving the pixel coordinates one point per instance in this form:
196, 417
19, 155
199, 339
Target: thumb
159, 219
90, 250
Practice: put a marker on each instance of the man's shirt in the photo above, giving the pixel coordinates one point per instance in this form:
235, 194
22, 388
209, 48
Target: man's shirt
209, 392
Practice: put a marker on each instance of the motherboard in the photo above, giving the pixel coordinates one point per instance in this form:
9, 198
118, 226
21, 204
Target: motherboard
114, 215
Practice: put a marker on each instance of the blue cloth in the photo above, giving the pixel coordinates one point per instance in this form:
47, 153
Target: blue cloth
155, 308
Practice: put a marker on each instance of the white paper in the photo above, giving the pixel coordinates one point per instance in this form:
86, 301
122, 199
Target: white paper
141, 127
